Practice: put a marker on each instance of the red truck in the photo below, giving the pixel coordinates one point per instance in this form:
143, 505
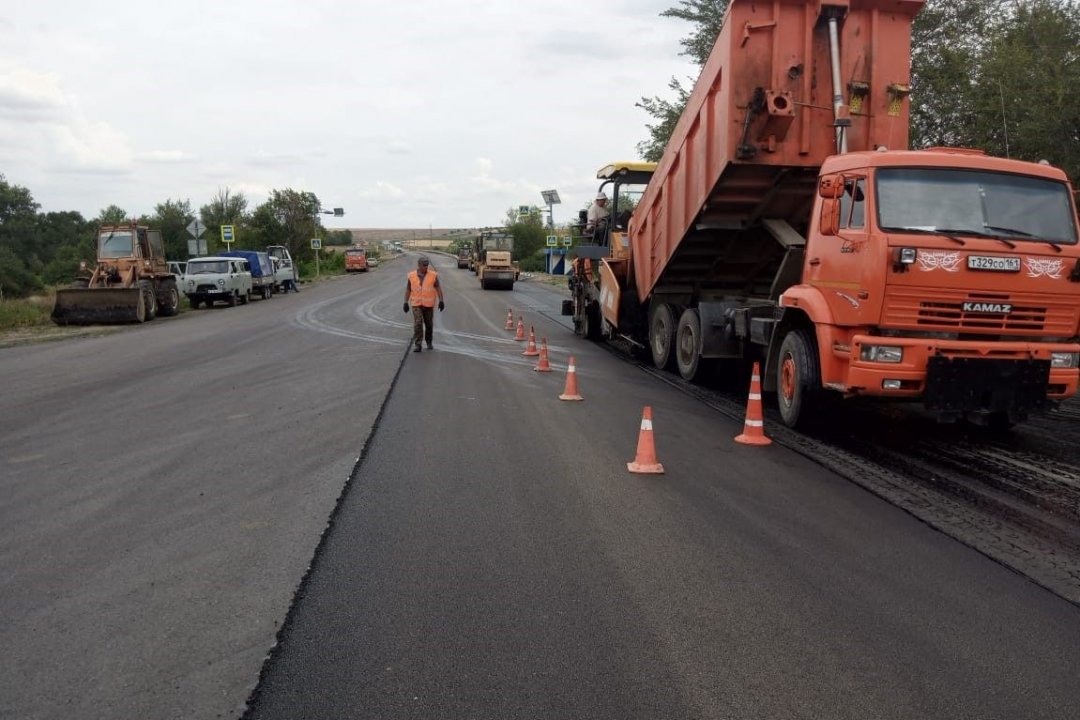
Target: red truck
788, 223
356, 260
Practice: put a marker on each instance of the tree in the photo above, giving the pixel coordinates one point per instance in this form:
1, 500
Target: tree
529, 232
949, 41
18, 253
290, 217
172, 217
706, 16
63, 240
667, 115
226, 208
1024, 103
112, 215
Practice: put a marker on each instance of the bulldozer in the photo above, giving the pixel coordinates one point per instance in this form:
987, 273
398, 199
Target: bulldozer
130, 283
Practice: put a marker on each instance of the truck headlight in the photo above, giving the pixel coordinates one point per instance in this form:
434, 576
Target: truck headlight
882, 353
221, 282
1064, 360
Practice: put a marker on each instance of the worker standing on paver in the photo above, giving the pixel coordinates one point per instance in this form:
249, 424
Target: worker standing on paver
420, 292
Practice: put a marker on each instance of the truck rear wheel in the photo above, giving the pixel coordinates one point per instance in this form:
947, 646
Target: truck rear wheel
662, 335
688, 344
798, 380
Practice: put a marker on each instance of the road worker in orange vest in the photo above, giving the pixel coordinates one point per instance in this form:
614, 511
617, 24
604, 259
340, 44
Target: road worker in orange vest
420, 292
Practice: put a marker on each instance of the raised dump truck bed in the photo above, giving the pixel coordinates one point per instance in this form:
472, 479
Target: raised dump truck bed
760, 122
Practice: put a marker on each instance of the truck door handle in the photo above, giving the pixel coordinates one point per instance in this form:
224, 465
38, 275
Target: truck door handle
815, 261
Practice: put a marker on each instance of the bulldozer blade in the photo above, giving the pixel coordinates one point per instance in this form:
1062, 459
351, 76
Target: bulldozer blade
103, 306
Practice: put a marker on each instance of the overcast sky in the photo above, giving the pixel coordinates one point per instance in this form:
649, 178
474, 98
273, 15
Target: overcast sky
406, 114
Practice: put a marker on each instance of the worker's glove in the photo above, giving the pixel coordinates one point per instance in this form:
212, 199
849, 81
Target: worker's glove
441, 306
405, 307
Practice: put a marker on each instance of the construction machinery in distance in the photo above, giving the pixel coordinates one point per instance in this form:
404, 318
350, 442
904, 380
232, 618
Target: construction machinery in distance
493, 260
131, 282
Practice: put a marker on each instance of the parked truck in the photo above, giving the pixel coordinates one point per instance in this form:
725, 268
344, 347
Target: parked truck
787, 223
130, 282
261, 267
286, 274
356, 259
493, 260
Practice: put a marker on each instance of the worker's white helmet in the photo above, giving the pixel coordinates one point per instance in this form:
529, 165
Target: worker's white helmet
601, 196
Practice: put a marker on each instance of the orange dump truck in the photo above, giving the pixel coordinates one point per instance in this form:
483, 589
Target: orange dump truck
356, 260
787, 223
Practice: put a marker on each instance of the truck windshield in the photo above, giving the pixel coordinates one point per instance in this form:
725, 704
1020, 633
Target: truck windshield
355, 253
116, 244
1012, 207
207, 266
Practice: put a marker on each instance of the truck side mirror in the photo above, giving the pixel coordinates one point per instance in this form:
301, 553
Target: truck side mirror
831, 186
830, 216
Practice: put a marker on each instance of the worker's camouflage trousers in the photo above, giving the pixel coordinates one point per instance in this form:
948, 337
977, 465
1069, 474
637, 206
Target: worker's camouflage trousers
423, 324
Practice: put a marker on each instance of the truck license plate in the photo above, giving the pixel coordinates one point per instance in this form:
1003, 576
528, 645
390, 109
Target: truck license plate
995, 264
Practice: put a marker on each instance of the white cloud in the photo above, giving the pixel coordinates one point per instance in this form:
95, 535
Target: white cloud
168, 156
405, 114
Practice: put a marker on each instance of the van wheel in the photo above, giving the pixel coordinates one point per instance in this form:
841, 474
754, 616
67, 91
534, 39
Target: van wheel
798, 378
231, 302
245, 298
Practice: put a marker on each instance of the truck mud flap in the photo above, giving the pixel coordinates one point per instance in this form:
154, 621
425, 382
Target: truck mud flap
103, 306
956, 385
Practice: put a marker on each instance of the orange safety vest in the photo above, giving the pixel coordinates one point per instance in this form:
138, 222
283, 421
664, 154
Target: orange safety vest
423, 294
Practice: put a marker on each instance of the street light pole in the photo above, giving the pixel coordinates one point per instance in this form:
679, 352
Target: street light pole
336, 212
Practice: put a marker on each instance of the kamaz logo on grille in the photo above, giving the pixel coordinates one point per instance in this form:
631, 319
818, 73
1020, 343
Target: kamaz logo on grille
988, 307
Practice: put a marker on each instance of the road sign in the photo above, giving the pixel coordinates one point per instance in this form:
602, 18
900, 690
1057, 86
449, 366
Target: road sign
196, 229
197, 248
524, 210
227, 234
567, 241
553, 240
316, 243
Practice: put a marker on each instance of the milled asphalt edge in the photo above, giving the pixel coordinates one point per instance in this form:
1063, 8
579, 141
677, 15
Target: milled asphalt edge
301, 588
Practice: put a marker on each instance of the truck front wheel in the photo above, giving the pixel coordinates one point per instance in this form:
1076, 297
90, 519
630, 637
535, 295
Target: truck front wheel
147, 291
798, 380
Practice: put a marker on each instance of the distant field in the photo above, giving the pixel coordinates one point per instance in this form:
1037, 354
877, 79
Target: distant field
419, 237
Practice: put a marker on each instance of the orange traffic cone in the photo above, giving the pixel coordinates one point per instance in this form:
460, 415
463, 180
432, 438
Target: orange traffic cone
570, 392
509, 319
543, 365
531, 350
645, 459
754, 430
521, 329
